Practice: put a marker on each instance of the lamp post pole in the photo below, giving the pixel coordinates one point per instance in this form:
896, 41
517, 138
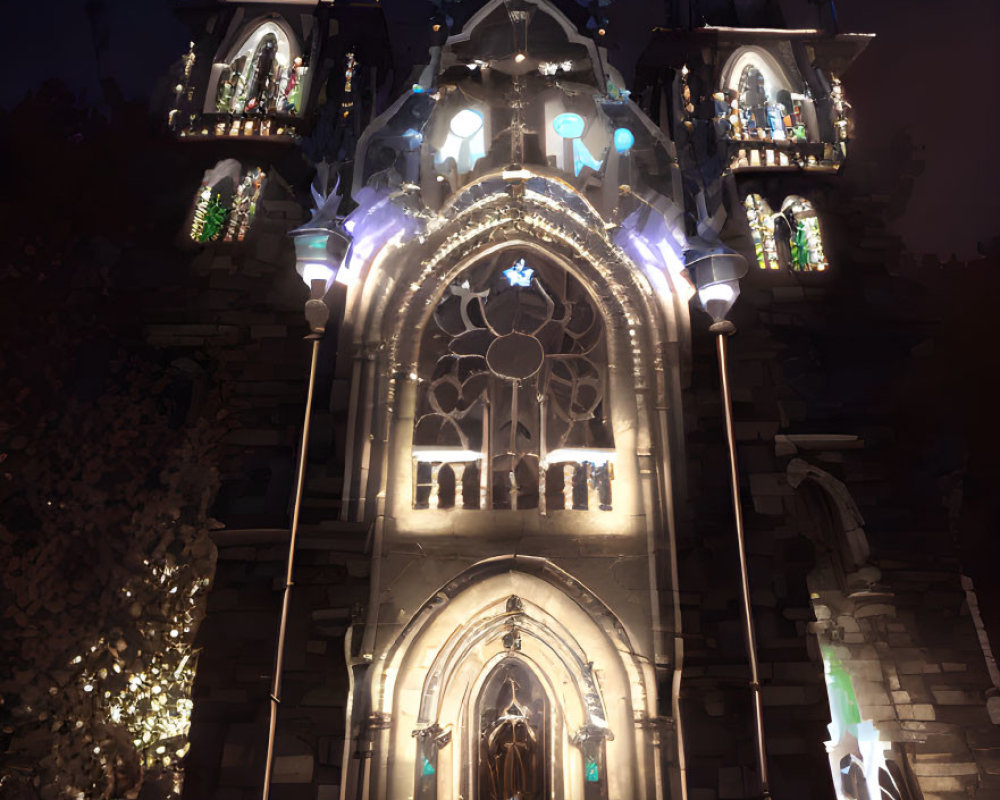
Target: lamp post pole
315, 338
723, 330
716, 271
320, 250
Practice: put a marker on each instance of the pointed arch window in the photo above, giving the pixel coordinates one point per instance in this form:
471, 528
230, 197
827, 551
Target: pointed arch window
761, 220
761, 102
263, 76
512, 412
789, 239
805, 241
226, 203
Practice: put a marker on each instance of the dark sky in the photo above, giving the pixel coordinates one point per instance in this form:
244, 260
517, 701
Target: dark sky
929, 72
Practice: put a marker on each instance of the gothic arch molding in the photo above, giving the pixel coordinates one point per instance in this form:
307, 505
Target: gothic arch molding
514, 607
851, 606
400, 286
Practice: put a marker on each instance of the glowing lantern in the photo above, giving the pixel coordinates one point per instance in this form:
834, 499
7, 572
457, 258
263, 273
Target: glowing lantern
569, 125
624, 139
715, 271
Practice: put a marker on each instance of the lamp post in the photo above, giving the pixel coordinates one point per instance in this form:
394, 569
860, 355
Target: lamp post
320, 248
716, 271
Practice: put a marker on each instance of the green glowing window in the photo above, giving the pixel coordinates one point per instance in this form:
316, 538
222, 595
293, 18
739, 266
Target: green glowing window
805, 239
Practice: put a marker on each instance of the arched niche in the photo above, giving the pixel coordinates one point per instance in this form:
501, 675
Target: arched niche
851, 606
262, 73
768, 104
541, 33
523, 611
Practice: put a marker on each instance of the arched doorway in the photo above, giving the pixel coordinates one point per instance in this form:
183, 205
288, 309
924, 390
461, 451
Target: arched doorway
513, 678
513, 717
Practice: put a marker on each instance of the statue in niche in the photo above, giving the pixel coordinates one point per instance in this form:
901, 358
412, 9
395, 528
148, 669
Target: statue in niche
510, 746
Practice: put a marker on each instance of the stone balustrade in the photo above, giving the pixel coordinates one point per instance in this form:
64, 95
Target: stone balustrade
570, 479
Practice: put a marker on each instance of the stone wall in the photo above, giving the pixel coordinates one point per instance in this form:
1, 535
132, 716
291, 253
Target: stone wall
232, 689
860, 557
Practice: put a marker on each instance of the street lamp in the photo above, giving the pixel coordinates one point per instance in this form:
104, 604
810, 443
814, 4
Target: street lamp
715, 271
321, 246
319, 254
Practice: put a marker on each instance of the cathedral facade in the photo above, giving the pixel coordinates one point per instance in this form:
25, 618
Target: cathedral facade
518, 570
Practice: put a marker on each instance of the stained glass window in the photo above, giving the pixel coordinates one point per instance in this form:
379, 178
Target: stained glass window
805, 240
226, 203
263, 77
513, 379
758, 106
761, 220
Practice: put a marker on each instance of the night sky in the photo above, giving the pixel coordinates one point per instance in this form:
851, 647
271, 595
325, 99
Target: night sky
929, 74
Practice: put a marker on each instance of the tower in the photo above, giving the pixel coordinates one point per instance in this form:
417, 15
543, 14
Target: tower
514, 358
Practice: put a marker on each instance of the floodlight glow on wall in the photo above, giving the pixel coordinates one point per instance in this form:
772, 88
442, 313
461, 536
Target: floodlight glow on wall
466, 141
467, 122
598, 456
445, 455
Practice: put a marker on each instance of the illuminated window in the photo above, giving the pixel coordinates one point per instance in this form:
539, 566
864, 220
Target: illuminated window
245, 205
761, 103
226, 203
262, 77
512, 411
466, 141
805, 241
761, 220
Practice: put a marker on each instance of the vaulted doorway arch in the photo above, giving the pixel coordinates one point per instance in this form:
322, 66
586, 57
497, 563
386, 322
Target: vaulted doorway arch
513, 683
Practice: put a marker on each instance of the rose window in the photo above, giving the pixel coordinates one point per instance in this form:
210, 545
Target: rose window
512, 411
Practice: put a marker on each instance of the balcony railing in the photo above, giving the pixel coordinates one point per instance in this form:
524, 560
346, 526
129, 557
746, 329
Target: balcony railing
570, 479
278, 127
766, 154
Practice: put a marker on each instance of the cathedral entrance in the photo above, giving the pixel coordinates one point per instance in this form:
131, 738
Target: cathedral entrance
514, 732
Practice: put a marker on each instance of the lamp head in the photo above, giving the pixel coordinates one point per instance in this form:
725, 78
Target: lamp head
715, 271
319, 255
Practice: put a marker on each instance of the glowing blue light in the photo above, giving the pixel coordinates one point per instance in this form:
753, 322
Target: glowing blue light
418, 89
428, 768
519, 274
624, 139
582, 157
569, 126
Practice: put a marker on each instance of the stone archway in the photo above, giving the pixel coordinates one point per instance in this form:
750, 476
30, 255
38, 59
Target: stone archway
585, 691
